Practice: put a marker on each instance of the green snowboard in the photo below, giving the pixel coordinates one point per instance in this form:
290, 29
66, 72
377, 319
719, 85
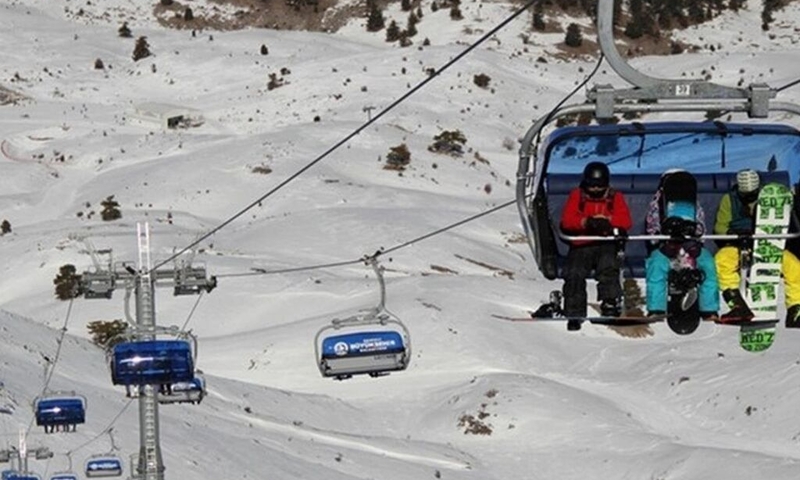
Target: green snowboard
762, 284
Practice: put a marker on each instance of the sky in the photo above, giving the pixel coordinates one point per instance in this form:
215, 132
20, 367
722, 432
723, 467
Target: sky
555, 404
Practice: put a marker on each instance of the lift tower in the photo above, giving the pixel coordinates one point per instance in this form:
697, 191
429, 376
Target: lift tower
185, 280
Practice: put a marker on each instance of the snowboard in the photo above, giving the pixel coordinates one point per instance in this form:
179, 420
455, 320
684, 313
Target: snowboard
773, 211
624, 321
679, 219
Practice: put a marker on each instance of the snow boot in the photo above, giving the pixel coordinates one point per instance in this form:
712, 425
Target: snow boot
611, 308
739, 311
709, 316
793, 316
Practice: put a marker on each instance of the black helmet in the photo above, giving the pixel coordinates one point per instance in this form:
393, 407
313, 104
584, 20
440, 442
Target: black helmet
595, 175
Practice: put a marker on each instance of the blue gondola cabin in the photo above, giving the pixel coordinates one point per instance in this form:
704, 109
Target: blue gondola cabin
372, 353
104, 466
184, 392
60, 413
21, 476
64, 476
155, 362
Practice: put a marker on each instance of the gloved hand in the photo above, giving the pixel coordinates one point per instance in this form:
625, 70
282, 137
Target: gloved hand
741, 226
679, 228
598, 226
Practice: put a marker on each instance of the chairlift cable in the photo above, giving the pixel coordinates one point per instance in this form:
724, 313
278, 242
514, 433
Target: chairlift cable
103, 432
183, 328
47, 467
354, 133
52, 368
788, 85
60, 344
261, 271
573, 92
449, 227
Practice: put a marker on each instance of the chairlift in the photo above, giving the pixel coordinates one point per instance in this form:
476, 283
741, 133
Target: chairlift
638, 153
103, 465
152, 362
60, 412
192, 280
16, 475
192, 391
67, 474
21, 476
64, 476
363, 349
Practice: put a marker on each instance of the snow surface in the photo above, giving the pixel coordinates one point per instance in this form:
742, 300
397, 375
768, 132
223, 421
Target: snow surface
586, 405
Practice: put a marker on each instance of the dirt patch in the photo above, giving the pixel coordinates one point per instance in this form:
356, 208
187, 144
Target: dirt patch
310, 15
8, 96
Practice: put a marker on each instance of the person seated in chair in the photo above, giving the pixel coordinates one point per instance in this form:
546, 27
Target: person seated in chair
684, 221
736, 215
791, 266
593, 209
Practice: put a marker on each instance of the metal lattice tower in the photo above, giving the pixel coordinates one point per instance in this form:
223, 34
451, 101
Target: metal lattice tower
151, 465
186, 280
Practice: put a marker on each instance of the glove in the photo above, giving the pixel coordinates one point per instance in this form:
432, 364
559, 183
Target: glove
741, 226
598, 226
670, 248
692, 248
679, 228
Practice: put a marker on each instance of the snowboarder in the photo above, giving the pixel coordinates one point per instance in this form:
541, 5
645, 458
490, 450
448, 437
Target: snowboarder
595, 209
736, 215
680, 215
791, 267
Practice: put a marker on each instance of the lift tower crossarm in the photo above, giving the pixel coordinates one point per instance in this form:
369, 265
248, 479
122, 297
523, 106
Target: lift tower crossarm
659, 89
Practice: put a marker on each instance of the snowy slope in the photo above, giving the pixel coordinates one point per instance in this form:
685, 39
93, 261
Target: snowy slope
558, 405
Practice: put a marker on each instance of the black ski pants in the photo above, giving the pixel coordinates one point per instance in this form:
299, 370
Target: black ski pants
600, 257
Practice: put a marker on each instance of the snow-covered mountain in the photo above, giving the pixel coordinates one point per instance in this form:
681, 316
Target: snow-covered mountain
544, 402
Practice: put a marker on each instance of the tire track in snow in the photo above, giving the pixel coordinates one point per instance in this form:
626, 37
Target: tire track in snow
354, 444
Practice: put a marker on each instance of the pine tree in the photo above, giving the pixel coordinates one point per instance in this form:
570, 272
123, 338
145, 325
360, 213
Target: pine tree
455, 13
574, 38
124, 31
696, 12
5, 227
538, 17
449, 142
67, 282
375, 20
110, 209
188, 15
398, 158
392, 32
736, 5
766, 14
405, 5
141, 50
634, 29
411, 28
107, 334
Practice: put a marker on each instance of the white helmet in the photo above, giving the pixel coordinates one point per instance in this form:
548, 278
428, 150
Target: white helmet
747, 180
670, 171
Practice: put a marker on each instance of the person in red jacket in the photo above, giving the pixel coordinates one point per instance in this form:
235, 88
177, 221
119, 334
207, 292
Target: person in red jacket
593, 208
